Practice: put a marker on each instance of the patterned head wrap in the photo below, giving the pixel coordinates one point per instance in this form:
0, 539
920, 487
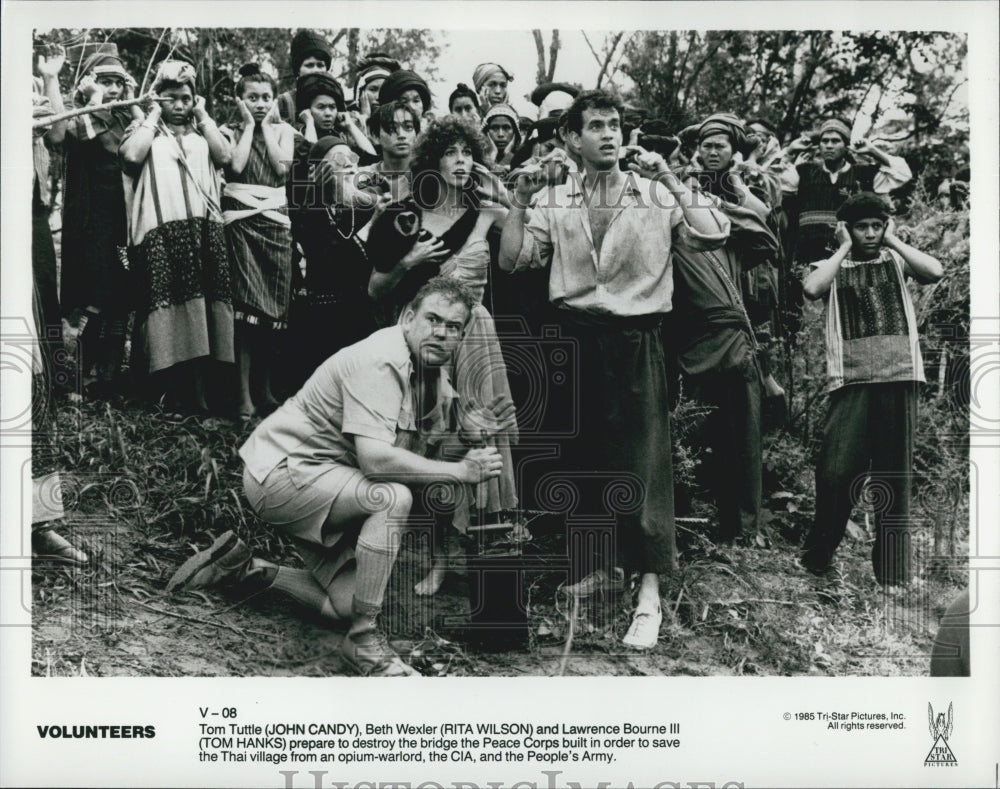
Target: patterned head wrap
501, 110
375, 72
486, 70
103, 64
838, 126
374, 65
724, 123
176, 71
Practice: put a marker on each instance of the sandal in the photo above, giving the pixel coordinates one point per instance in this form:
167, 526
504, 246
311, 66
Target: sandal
374, 657
597, 583
644, 630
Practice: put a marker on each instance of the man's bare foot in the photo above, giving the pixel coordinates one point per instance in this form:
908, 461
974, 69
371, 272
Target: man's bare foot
432, 582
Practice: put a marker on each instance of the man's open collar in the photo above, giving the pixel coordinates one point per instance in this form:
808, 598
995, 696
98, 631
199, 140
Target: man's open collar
574, 186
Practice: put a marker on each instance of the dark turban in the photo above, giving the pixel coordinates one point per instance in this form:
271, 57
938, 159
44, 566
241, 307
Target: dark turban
397, 83
308, 43
539, 93
319, 83
728, 124
322, 146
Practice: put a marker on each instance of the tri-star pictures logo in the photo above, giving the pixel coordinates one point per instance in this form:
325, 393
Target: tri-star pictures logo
940, 728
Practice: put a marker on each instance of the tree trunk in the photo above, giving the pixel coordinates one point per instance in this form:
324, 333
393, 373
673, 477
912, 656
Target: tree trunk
540, 72
553, 54
790, 121
352, 50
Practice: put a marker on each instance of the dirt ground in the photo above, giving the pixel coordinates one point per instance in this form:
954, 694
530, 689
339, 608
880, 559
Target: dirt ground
142, 496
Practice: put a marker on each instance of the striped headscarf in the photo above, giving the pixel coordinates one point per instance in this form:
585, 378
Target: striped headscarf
486, 70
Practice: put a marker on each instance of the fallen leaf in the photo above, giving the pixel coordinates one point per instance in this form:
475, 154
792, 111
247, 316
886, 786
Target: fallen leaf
856, 532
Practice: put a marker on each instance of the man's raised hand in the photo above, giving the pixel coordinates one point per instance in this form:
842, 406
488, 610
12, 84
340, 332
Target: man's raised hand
648, 164
528, 180
50, 65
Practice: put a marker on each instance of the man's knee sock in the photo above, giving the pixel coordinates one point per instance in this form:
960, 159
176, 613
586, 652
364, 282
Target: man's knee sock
304, 589
374, 562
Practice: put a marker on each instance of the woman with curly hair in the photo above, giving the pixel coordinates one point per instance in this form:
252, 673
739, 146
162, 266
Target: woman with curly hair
449, 184
455, 201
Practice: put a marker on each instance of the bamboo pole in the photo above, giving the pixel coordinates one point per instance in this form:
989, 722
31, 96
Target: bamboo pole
152, 59
63, 116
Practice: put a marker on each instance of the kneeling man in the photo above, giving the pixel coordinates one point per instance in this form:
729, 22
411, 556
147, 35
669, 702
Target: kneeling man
333, 469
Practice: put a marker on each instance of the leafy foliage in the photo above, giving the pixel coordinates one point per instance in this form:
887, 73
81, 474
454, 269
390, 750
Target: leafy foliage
797, 77
218, 53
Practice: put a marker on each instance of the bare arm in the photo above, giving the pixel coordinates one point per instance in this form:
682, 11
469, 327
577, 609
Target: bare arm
817, 282
218, 148
279, 140
383, 461
241, 150
50, 68
919, 265
135, 148
358, 137
308, 126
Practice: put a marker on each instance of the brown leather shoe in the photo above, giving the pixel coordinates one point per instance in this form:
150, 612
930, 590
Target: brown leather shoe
373, 657
226, 561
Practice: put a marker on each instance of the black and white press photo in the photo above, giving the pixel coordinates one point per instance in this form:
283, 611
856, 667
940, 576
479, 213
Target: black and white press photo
422, 352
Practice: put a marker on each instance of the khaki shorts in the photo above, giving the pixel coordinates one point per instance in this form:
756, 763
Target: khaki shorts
301, 514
